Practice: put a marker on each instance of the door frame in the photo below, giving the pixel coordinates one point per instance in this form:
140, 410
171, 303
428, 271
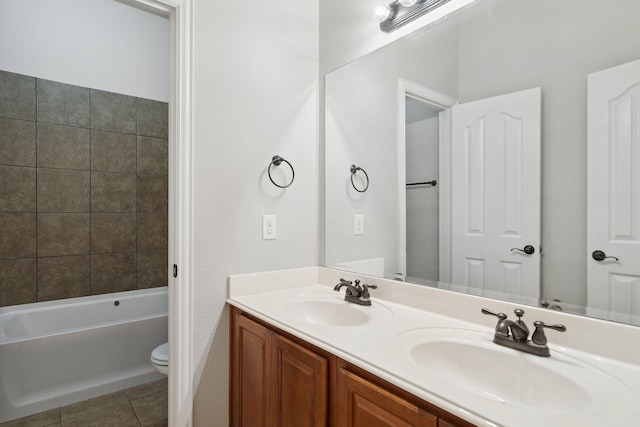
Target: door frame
180, 14
409, 89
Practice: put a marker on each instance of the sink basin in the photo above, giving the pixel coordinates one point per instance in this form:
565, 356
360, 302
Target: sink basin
332, 310
470, 361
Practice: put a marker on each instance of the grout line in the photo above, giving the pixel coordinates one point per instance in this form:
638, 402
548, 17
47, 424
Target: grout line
78, 127
22, 120
90, 192
37, 211
18, 166
136, 207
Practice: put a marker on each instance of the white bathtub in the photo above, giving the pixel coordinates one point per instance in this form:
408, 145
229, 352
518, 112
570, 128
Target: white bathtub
59, 352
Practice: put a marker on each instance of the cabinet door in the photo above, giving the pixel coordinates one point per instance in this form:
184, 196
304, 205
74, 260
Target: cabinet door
250, 367
299, 385
360, 403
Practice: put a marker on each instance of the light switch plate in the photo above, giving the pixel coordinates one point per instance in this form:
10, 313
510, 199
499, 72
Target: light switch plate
269, 227
358, 225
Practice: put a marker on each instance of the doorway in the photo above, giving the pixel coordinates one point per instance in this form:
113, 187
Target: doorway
424, 147
422, 204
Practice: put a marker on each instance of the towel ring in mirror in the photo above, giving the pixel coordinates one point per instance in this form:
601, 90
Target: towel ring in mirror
355, 169
277, 161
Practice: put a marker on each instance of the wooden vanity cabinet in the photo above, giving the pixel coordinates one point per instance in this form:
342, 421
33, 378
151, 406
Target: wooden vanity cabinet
365, 400
275, 381
360, 403
279, 380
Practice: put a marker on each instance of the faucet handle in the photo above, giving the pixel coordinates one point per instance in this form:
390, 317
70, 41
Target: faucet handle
501, 328
500, 316
346, 282
539, 337
365, 290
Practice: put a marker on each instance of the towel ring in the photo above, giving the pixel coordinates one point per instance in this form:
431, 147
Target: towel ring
277, 160
355, 169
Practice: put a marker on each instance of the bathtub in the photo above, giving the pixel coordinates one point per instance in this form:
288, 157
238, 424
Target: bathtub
59, 352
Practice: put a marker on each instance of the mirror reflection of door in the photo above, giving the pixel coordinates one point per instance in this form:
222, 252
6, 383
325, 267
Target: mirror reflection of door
422, 176
495, 186
472, 192
613, 220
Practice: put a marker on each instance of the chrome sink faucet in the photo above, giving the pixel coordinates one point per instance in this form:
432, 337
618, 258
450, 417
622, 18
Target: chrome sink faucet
516, 334
355, 293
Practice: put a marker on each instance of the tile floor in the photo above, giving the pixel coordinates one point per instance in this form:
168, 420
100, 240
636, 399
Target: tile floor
141, 406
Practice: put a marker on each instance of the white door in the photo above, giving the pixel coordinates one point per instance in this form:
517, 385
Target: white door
613, 219
495, 169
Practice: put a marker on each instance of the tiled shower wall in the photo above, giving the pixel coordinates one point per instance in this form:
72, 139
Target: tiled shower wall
83, 191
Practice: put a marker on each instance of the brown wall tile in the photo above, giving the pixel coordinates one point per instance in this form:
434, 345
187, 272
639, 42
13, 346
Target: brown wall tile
152, 269
17, 189
17, 236
17, 143
113, 112
63, 190
153, 118
152, 194
17, 282
113, 192
17, 96
113, 272
152, 232
113, 232
89, 197
153, 156
63, 147
63, 234
63, 104
64, 277
113, 152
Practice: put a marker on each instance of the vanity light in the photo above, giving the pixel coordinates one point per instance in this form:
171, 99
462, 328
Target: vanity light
382, 12
400, 12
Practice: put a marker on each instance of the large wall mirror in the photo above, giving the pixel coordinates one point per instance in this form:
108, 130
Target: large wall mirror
501, 150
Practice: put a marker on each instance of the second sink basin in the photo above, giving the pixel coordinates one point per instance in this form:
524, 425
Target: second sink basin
470, 361
332, 310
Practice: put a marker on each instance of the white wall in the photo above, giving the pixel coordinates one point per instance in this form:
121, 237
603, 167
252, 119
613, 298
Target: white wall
256, 95
100, 44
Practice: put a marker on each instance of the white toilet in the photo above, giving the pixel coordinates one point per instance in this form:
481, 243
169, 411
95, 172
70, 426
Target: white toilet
160, 358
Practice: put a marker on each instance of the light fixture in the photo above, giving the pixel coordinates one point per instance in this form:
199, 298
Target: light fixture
400, 12
381, 12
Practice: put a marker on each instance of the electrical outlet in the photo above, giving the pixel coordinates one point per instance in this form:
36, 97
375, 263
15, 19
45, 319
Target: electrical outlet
358, 225
268, 227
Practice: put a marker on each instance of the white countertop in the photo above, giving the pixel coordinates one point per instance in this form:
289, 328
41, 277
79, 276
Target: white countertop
401, 312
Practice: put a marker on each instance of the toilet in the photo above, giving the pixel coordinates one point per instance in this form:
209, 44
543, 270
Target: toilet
160, 358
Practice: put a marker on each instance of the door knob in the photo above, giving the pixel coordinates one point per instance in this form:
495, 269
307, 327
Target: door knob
529, 250
601, 256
